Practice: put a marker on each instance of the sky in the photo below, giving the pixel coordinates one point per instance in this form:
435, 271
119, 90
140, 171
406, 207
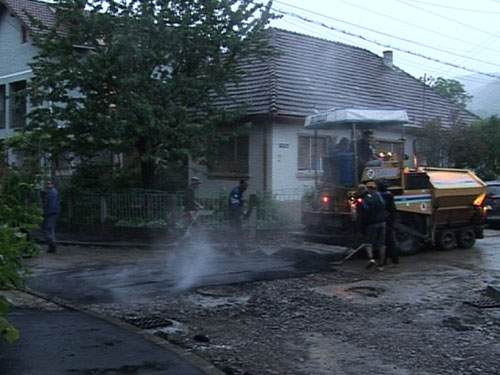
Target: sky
429, 38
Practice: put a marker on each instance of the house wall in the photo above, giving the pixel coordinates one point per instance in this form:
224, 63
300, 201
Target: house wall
273, 159
14, 58
286, 176
211, 185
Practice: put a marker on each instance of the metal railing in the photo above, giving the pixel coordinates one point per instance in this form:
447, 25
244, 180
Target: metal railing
149, 208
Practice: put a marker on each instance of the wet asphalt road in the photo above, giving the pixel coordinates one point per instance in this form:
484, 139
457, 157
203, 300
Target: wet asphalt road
111, 275
432, 286
71, 342
107, 275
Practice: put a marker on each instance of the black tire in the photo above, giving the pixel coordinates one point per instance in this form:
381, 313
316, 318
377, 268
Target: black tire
446, 239
407, 243
466, 238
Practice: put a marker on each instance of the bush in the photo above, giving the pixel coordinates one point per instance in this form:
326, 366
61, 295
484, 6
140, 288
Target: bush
19, 217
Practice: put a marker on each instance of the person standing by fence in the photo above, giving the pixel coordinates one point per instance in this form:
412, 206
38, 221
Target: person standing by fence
191, 205
51, 211
235, 206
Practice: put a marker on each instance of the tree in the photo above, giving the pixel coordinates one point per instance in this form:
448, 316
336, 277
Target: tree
488, 165
140, 77
432, 144
19, 217
452, 90
471, 146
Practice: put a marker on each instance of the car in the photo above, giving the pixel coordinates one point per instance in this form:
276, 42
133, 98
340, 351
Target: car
492, 201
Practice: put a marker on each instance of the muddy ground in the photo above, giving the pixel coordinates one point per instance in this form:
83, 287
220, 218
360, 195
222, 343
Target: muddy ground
412, 319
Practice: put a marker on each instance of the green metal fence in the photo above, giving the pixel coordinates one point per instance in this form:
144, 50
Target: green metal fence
150, 208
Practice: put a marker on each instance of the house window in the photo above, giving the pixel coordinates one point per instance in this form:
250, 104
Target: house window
3, 105
17, 104
311, 153
387, 146
231, 158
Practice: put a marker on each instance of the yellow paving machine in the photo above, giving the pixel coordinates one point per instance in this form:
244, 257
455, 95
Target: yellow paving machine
435, 206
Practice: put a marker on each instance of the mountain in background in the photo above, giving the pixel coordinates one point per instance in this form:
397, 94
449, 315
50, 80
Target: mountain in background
485, 92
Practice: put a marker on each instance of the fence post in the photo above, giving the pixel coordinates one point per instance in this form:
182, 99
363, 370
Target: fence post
70, 206
103, 209
252, 208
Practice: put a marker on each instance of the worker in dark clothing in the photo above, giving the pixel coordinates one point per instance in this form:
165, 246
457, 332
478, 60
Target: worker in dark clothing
343, 172
365, 151
371, 213
235, 206
191, 205
391, 248
51, 211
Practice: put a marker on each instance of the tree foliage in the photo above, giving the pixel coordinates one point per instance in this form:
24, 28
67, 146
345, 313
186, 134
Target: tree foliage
19, 217
452, 90
488, 156
140, 77
471, 146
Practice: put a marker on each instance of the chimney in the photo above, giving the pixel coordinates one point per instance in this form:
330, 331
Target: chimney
388, 59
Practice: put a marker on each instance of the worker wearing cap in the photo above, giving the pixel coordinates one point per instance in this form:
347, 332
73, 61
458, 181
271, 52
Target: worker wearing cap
189, 201
365, 151
235, 206
372, 218
391, 248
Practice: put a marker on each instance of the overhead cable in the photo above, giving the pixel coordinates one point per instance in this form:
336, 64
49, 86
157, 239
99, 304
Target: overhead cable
455, 8
394, 19
447, 18
382, 44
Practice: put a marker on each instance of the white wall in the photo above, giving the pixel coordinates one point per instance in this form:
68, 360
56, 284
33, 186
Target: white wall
285, 153
14, 58
211, 185
277, 171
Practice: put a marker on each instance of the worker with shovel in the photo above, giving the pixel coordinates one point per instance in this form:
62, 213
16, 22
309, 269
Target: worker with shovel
372, 217
191, 205
236, 212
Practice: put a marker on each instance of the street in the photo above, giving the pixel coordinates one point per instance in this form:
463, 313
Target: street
265, 312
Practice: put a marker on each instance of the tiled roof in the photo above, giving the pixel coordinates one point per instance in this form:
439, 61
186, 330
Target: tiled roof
39, 10
310, 74
315, 74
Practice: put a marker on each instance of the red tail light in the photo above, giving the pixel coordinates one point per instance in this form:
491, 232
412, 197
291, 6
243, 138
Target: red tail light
325, 199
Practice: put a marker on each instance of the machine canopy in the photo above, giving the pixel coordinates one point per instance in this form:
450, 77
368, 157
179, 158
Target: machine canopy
335, 117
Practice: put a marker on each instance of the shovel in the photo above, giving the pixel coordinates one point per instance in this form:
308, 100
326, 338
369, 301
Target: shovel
347, 254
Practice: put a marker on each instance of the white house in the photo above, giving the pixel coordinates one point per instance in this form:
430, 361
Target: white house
311, 75
307, 75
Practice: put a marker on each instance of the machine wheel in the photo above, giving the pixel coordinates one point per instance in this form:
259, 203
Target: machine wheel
408, 243
446, 239
466, 238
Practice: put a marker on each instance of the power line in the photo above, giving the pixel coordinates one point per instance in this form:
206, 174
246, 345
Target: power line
381, 44
455, 8
395, 37
400, 21
446, 18
312, 29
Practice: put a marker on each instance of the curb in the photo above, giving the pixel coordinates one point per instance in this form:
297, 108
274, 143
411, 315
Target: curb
198, 362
